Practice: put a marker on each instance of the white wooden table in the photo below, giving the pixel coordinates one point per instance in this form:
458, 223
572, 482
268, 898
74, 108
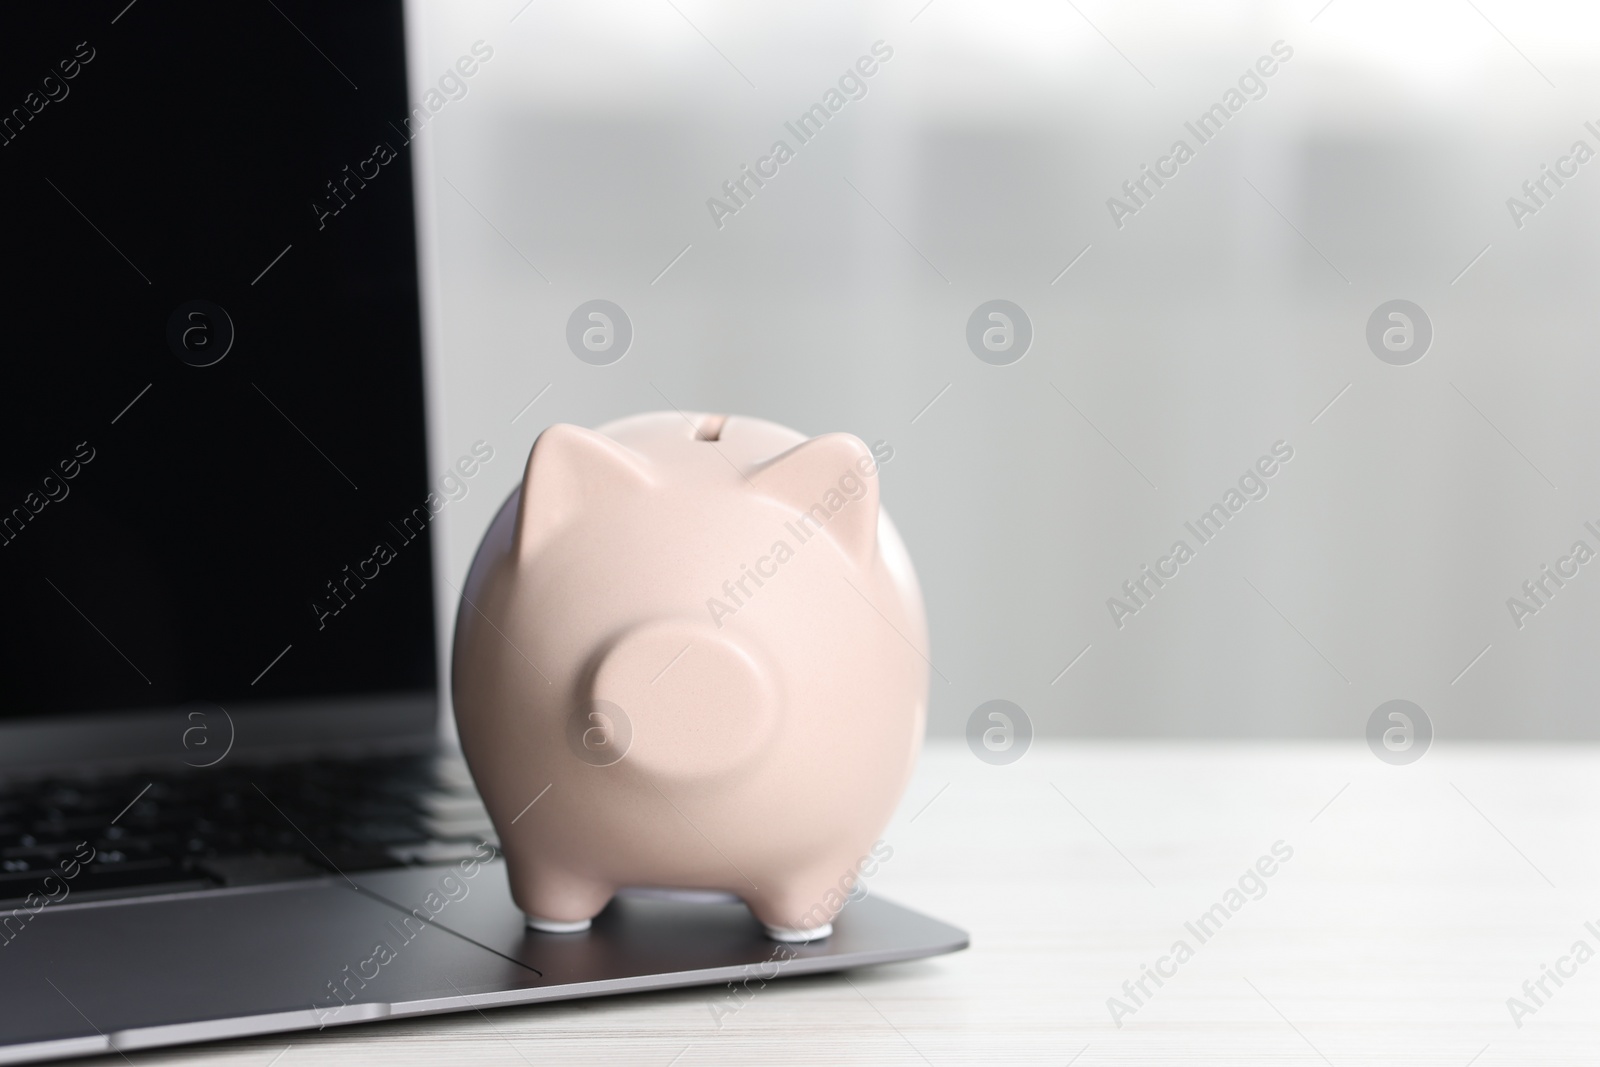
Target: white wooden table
1417, 900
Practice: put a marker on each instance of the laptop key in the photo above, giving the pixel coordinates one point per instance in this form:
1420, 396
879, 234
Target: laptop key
236, 825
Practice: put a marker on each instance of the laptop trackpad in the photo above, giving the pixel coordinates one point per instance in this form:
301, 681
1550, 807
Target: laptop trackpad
647, 941
323, 952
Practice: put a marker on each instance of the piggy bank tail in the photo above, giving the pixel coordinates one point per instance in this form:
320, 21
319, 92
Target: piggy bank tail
693, 702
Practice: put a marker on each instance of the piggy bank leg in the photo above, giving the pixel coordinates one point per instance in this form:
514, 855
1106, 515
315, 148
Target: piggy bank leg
801, 911
556, 902
795, 935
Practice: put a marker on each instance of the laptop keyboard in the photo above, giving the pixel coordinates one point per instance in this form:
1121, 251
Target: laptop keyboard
236, 826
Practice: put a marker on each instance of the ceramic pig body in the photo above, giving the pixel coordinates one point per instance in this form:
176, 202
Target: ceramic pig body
699, 643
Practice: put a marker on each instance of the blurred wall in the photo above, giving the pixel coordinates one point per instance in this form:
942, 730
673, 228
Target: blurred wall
1173, 346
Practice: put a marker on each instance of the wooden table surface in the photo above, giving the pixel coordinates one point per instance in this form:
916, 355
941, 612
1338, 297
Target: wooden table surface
1414, 902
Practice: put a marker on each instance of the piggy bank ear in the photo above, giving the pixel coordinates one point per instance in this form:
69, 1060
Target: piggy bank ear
568, 466
831, 483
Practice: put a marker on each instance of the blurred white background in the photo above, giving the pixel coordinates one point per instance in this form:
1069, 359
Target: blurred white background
1177, 349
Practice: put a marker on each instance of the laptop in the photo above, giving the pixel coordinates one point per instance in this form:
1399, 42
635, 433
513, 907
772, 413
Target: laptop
225, 808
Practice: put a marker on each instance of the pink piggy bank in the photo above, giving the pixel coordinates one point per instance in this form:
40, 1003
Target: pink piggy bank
691, 654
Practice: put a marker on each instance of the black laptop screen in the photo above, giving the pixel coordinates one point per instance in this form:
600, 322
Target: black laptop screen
214, 484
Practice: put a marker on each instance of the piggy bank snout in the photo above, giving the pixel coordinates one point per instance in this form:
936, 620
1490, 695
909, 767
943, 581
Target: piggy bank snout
695, 702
